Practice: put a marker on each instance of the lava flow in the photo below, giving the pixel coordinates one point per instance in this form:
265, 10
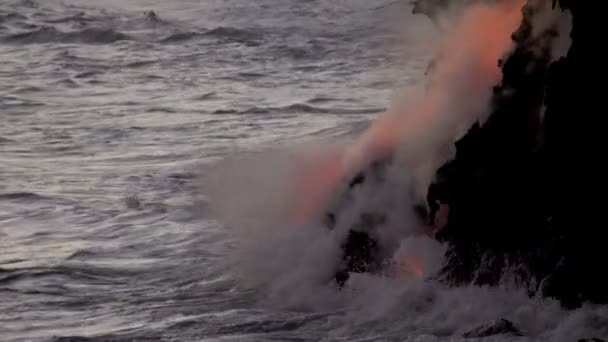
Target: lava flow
459, 94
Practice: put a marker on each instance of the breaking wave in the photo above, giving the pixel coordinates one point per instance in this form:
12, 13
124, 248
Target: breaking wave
224, 34
299, 108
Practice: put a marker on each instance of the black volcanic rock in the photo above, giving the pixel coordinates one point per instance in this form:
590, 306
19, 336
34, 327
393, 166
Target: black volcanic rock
361, 252
524, 189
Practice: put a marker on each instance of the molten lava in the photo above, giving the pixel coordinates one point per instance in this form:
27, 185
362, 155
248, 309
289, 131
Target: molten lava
412, 266
459, 94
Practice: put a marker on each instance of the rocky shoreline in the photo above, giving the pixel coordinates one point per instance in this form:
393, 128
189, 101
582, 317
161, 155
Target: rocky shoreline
523, 189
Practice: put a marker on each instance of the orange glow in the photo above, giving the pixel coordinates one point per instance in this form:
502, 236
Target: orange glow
411, 265
319, 180
470, 54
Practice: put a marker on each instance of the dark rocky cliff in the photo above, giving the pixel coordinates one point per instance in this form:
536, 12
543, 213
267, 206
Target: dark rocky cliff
525, 190
521, 190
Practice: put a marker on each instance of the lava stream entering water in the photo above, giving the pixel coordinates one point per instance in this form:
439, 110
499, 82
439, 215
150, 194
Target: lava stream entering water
459, 94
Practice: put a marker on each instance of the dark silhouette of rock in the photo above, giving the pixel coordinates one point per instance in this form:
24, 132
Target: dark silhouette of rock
360, 251
151, 15
499, 327
524, 188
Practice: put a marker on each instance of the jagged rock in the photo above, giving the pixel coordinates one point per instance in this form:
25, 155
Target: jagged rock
499, 327
361, 253
151, 15
525, 188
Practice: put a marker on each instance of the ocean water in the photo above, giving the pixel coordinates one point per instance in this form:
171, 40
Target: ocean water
112, 117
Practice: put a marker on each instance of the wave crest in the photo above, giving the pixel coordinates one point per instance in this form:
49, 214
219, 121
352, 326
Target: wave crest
51, 35
299, 108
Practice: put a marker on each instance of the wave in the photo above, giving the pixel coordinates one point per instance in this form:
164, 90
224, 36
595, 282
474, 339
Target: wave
148, 21
166, 110
231, 33
52, 35
26, 4
251, 74
299, 108
181, 37
205, 96
321, 99
69, 272
80, 18
9, 196
226, 111
270, 325
76, 339
6, 17
139, 64
68, 83
224, 34
310, 50
87, 74
6, 141
30, 197
8, 276
28, 89
10, 101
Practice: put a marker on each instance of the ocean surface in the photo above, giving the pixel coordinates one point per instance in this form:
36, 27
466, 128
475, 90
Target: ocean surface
112, 114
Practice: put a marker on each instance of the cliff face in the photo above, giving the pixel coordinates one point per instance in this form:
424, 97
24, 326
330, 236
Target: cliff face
521, 189
525, 188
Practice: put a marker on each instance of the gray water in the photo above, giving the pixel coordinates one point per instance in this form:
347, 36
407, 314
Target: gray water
110, 118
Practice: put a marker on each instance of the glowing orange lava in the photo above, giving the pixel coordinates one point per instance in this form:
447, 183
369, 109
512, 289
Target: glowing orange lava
411, 265
468, 69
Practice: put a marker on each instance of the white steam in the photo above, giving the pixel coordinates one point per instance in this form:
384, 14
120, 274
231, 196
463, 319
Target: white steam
252, 194
559, 21
293, 261
255, 193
